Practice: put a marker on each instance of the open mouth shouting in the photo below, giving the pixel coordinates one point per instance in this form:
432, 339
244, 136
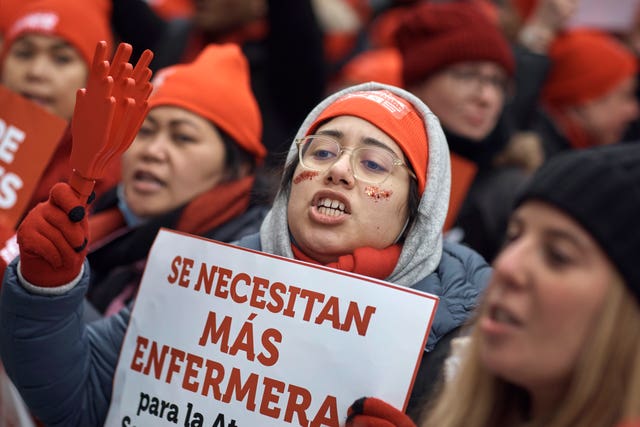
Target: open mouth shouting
146, 182
499, 320
501, 315
330, 208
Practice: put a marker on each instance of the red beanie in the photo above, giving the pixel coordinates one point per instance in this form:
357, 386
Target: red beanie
585, 65
216, 86
437, 35
393, 115
82, 23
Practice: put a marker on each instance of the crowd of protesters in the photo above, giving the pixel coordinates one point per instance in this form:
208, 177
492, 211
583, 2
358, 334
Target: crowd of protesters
510, 161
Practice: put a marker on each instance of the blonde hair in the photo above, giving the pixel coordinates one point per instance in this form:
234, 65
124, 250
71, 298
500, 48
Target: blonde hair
604, 388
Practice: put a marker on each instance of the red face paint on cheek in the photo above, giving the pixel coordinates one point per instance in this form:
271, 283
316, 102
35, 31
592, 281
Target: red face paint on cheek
305, 176
376, 193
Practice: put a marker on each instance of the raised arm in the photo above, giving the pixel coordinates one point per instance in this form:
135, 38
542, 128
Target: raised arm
63, 367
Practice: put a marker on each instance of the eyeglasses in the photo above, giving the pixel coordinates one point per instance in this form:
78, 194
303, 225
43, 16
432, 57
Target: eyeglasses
473, 78
369, 164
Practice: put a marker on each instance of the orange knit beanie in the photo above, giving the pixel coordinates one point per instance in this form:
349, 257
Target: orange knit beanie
585, 64
393, 115
81, 23
216, 86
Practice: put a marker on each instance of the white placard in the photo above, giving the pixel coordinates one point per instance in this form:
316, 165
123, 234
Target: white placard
224, 336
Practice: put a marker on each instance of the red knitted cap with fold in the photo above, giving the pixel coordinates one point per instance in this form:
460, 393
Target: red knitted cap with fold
586, 64
82, 23
437, 35
216, 86
393, 115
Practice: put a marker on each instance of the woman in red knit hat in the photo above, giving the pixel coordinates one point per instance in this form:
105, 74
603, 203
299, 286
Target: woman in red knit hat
455, 59
47, 50
589, 94
460, 63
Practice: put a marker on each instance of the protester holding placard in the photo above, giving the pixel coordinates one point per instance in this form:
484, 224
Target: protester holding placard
556, 341
365, 191
192, 167
359, 217
46, 55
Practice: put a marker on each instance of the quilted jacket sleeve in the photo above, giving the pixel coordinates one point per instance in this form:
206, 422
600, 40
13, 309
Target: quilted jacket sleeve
62, 367
459, 281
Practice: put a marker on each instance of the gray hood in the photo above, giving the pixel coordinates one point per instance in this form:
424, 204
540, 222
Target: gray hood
422, 248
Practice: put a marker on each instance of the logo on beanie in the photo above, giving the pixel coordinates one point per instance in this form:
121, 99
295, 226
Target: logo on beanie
161, 76
41, 21
397, 107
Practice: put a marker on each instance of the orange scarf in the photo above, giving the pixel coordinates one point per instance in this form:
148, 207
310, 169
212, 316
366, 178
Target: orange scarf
205, 212
223, 202
376, 263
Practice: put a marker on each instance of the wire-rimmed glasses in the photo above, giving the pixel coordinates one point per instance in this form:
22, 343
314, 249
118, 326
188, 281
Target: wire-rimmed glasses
370, 164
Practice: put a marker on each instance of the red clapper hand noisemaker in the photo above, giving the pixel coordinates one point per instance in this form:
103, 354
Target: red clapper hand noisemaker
108, 113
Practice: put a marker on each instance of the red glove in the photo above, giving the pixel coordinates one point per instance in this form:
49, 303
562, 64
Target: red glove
372, 412
53, 238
